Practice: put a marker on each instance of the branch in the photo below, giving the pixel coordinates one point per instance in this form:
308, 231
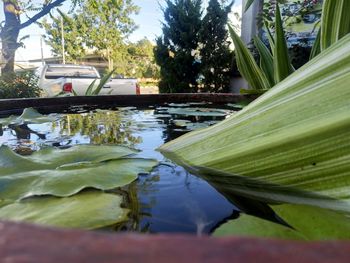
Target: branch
46, 9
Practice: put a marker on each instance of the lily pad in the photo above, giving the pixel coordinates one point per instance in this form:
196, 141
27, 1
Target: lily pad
179, 104
29, 115
65, 175
210, 112
306, 222
89, 210
52, 158
181, 123
251, 226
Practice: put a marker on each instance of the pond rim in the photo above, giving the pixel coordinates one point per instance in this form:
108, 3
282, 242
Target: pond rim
61, 104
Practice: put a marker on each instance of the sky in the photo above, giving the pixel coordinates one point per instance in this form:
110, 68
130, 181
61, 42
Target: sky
148, 21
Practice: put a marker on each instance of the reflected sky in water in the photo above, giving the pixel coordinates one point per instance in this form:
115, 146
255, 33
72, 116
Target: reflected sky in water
167, 200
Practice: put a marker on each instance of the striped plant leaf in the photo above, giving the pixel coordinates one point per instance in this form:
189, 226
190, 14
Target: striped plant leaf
270, 37
296, 134
316, 48
247, 65
335, 21
266, 60
282, 65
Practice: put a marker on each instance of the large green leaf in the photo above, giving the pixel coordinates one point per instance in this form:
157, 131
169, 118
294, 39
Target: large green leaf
306, 222
67, 172
335, 22
29, 115
281, 62
296, 134
247, 65
87, 210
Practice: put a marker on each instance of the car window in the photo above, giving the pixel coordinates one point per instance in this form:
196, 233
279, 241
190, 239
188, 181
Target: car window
75, 72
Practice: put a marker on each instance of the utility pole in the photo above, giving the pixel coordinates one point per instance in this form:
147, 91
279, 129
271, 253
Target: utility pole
62, 41
42, 51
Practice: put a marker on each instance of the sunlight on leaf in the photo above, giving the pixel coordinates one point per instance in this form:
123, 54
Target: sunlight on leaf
306, 222
66, 172
87, 210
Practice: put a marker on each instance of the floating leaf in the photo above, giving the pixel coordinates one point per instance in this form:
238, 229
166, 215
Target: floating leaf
252, 226
210, 112
66, 172
87, 210
179, 105
29, 115
306, 222
181, 123
52, 158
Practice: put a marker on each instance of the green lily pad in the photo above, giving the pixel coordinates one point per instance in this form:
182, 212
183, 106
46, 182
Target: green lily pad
179, 104
306, 222
29, 115
89, 210
251, 226
52, 158
236, 105
68, 171
210, 112
181, 123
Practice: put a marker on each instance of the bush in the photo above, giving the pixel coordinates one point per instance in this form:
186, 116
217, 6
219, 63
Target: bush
19, 85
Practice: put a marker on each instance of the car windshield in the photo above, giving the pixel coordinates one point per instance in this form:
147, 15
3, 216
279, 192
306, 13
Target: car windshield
75, 72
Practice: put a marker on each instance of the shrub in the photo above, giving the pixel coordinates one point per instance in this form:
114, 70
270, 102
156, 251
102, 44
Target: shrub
19, 85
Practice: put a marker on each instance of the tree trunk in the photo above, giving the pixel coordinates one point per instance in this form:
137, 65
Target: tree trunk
9, 36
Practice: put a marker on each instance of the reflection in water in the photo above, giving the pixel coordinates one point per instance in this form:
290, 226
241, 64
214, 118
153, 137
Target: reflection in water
22, 131
167, 200
102, 127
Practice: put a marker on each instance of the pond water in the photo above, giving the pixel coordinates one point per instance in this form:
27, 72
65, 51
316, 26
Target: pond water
169, 199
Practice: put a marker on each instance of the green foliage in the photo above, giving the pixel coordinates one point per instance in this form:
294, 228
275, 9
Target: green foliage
335, 22
175, 51
141, 61
74, 31
32, 184
305, 223
92, 90
247, 65
216, 57
102, 26
89, 210
281, 62
294, 135
67, 172
19, 85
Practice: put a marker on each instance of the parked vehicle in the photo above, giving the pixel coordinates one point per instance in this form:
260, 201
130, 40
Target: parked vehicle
56, 79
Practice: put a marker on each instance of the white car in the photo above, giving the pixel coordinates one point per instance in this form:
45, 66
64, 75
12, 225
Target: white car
56, 79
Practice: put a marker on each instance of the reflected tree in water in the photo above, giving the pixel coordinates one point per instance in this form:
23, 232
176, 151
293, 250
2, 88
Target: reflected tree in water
103, 127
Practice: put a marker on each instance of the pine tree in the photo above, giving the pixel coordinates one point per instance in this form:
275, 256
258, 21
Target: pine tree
175, 49
216, 57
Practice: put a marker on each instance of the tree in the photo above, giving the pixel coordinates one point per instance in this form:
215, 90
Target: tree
216, 56
14, 10
175, 51
74, 32
98, 26
142, 59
